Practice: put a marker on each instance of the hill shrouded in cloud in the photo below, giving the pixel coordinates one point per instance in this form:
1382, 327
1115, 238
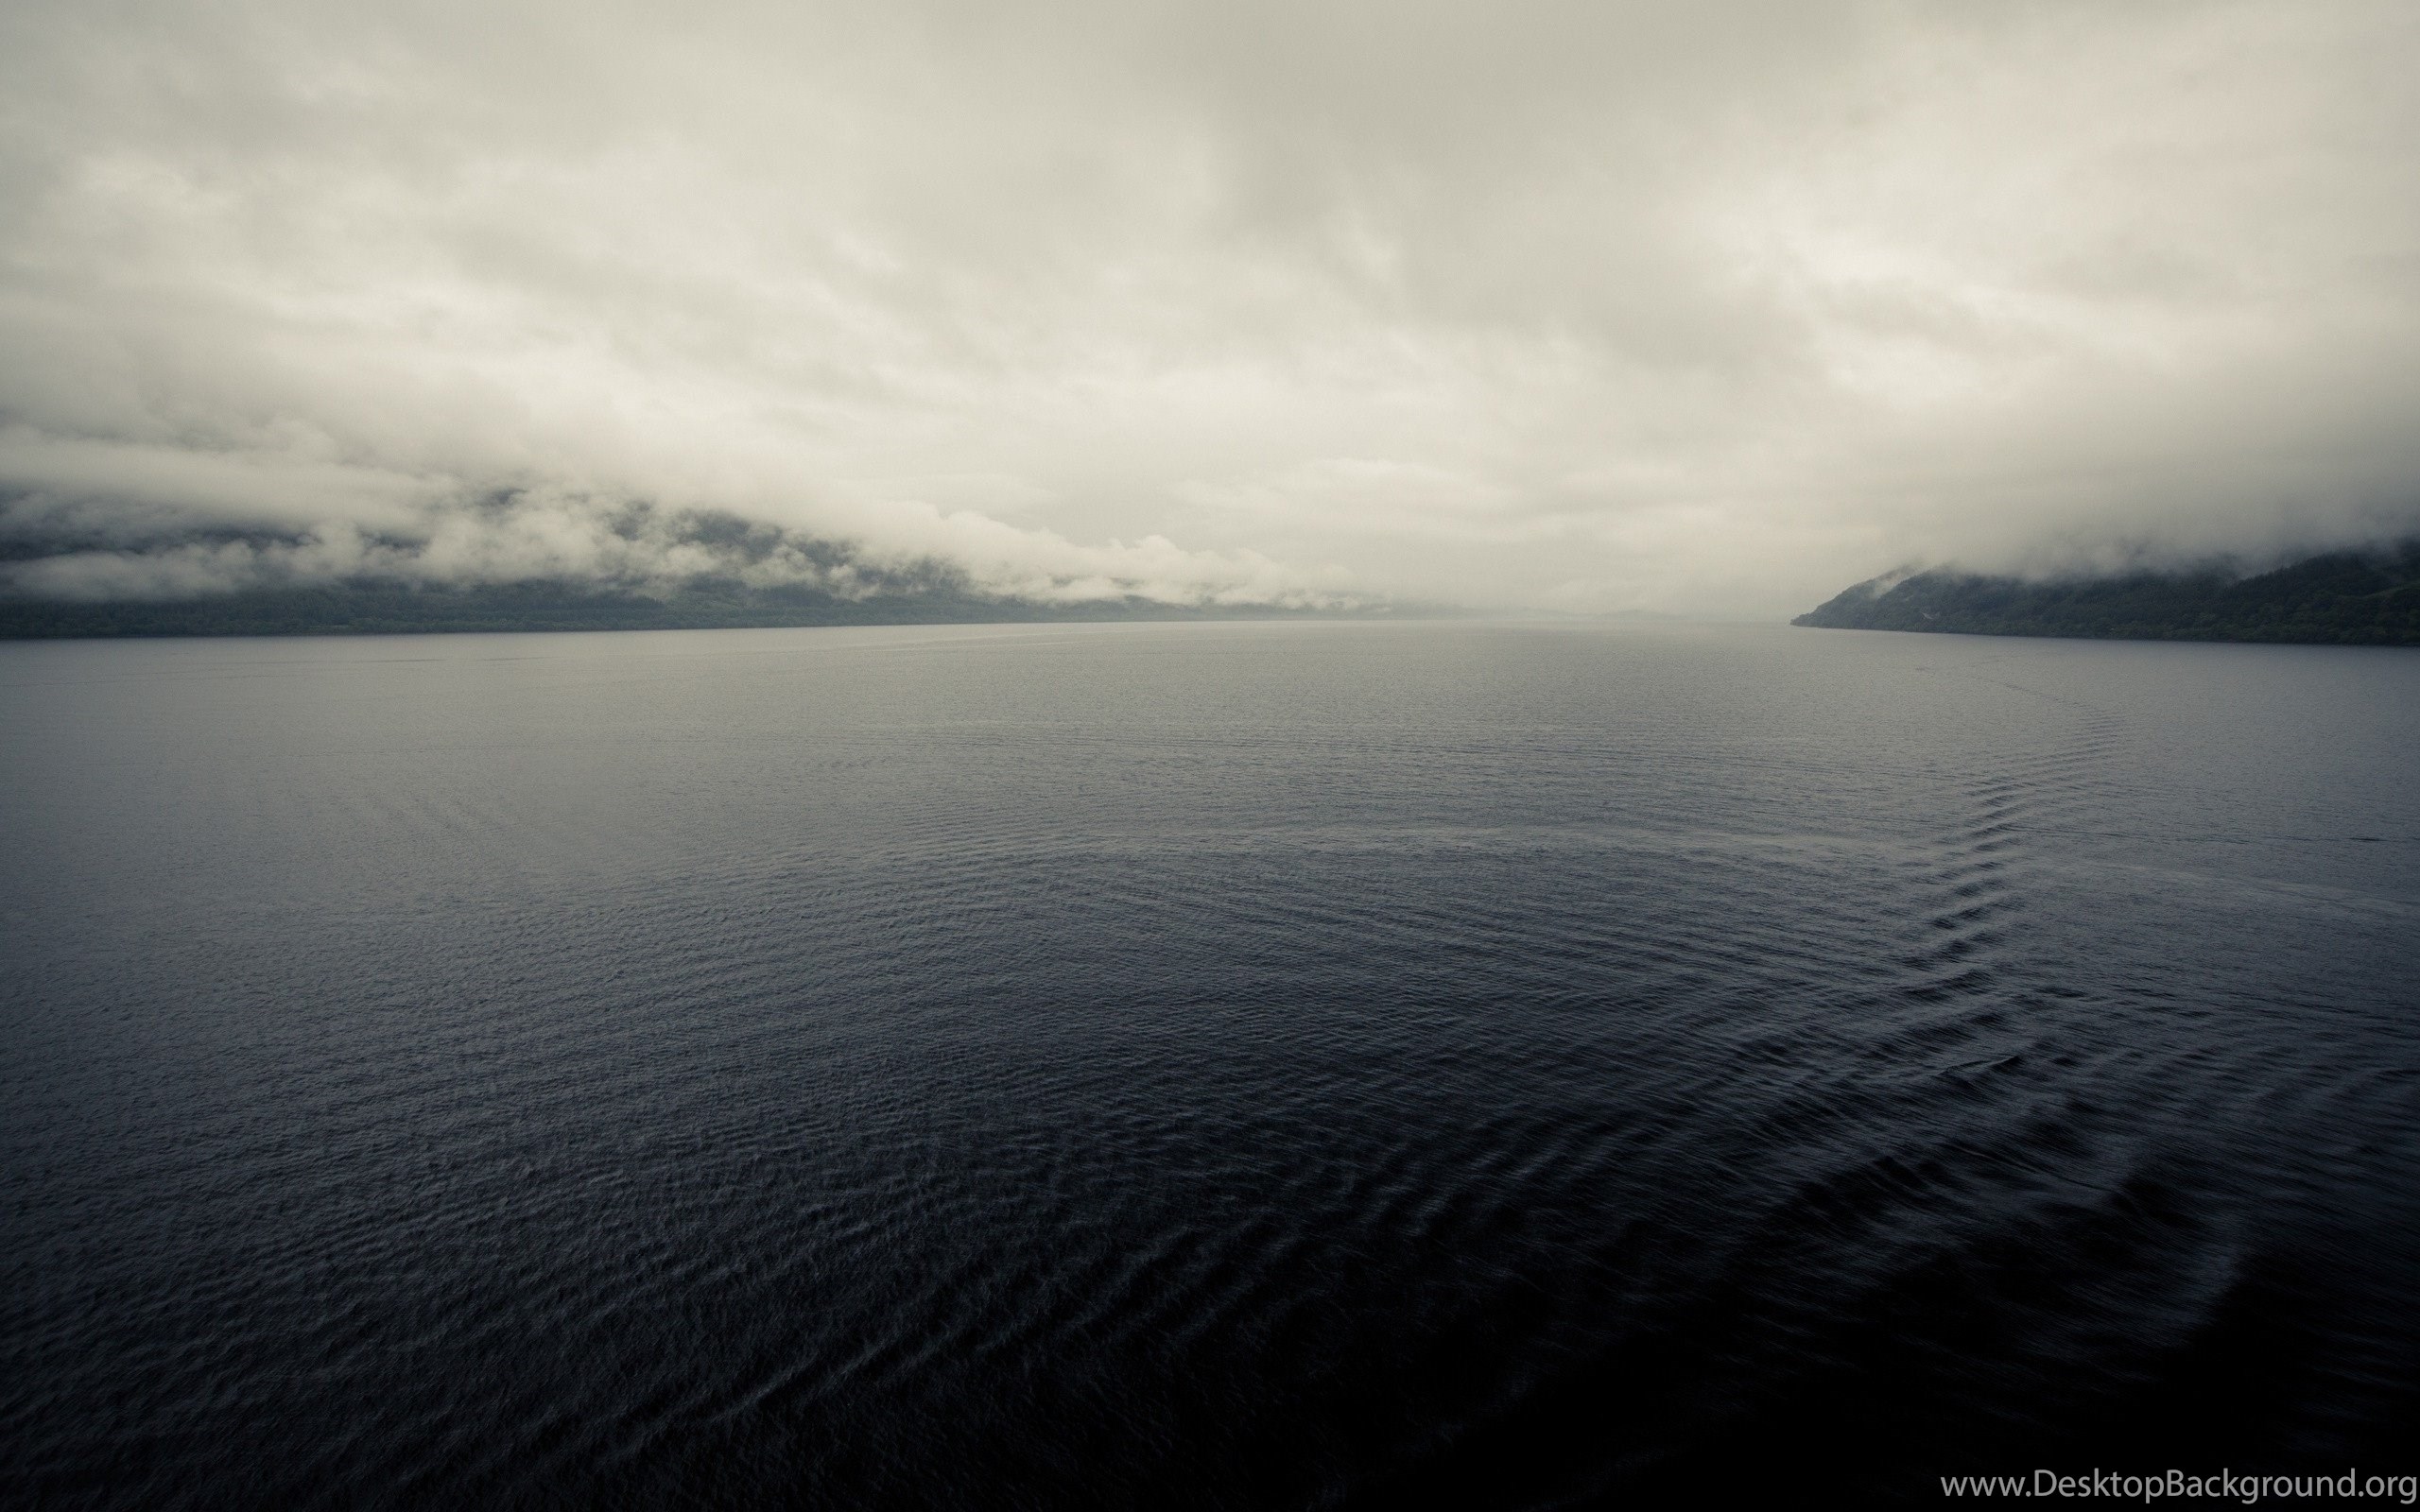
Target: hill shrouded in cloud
2345, 598
514, 562
1584, 308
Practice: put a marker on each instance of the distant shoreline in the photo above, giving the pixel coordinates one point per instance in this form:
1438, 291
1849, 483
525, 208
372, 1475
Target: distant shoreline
540, 608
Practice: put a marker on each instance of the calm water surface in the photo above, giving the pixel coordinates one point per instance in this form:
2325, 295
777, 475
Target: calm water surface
1199, 1065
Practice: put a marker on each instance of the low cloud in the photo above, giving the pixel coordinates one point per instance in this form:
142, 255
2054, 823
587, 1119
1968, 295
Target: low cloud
123, 546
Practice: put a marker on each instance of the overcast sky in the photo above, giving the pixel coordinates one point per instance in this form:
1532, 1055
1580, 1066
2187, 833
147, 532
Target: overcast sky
1587, 307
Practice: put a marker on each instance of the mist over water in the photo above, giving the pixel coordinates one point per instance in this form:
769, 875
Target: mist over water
1199, 1065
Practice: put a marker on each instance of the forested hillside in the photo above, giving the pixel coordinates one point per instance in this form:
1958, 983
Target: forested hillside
2349, 598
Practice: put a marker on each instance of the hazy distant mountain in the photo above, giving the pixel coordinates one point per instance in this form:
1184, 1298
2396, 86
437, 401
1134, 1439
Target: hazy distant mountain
2351, 598
387, 608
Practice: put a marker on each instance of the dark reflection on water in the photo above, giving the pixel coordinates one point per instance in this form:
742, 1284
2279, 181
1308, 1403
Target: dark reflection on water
1201, 1065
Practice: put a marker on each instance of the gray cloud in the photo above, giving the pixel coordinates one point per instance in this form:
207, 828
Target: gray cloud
1575, 306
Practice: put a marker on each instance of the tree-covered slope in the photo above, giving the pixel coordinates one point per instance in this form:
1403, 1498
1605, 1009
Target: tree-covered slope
2346, 598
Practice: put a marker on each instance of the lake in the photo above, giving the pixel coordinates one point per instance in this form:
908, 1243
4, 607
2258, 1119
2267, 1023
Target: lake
1218, 1065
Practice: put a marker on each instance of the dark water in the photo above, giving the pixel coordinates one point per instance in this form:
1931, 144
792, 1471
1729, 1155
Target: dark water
1201, 1065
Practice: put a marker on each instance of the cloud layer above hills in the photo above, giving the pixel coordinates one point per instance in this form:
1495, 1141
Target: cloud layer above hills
1566, 307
